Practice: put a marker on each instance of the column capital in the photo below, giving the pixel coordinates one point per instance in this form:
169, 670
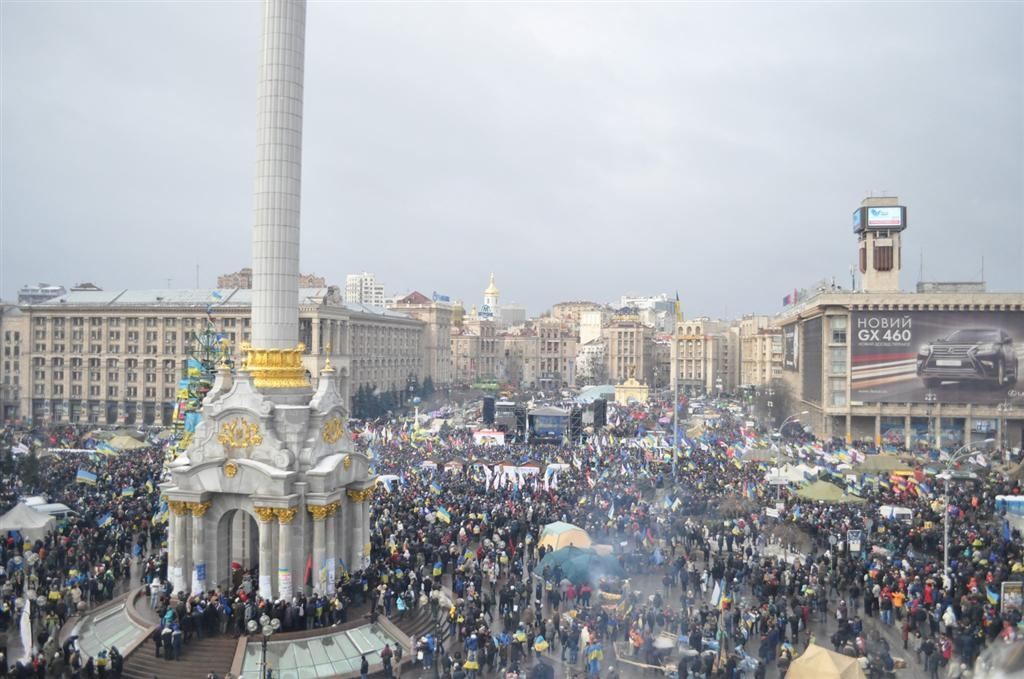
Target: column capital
360, 494
199, 508
319, 512
265, 514
285, 516
332, 508
178, 507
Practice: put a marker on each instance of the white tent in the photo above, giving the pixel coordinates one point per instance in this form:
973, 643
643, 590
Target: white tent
27, 521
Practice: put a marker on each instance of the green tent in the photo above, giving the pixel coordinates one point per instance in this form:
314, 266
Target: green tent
823, 491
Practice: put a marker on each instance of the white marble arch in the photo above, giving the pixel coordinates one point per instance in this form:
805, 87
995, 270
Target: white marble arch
301, 481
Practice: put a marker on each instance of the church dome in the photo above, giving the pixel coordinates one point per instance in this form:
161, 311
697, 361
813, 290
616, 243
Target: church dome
492, 289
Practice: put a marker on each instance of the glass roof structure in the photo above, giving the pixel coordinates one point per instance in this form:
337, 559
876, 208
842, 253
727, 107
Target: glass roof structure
320, 657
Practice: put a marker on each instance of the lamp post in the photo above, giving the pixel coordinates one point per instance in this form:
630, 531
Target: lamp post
778, 452
961, 454
267, 626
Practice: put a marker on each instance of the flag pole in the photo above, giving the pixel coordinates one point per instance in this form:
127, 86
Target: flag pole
675, 390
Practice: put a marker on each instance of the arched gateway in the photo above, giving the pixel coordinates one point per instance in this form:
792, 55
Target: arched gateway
271, 482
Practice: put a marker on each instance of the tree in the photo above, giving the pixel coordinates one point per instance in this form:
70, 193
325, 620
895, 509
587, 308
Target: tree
30, 470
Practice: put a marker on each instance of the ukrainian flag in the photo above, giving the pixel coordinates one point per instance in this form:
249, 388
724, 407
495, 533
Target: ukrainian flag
85, 476
105, 520
435, 488
993, 597
127, 492
444, 515
106, 449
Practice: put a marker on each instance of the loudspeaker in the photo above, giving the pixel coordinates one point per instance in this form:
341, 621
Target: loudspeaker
600, 412
488, 410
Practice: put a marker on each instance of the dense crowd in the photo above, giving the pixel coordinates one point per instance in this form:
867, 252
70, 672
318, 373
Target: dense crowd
700, 555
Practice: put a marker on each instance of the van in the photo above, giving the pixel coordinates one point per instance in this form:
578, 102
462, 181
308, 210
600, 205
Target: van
56, 510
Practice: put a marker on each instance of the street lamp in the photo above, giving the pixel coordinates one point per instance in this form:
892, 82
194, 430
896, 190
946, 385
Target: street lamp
267, 626
963, 453
778, 452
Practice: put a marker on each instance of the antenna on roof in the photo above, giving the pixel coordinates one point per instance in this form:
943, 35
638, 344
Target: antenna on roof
920, 271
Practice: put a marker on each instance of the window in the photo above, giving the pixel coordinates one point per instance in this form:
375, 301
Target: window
111, 392
169, 393
76, 389
150, 392
131, 392
838, 329
838, 389
94, 390
838, 360
112, 376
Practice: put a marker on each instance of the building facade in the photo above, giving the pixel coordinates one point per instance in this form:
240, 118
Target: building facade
760, 351
116, 357
935, 369
437, 331
629, 350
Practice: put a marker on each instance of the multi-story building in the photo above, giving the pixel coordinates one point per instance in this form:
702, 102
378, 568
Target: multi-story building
475, 351
706, 356
437, 332
511, 315
938, 368
363, 288
556, 354
13, 332
629, 349
760, 351
117, 356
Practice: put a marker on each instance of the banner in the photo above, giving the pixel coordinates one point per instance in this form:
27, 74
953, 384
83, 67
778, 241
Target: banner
1012, 598
936, 356
790, 347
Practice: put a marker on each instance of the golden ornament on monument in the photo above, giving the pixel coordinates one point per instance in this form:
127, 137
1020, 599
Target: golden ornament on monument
333, 430
347, 462
239, 433
265, 514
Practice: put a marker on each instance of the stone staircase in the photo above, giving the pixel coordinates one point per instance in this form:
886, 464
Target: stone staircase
199, 657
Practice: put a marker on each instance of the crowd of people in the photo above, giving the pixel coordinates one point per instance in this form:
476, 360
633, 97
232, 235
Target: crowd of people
738, 581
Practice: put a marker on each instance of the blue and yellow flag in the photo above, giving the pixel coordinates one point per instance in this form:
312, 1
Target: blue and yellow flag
85, 476
444, 515
992, 596
435, 488
105, 520
127, 491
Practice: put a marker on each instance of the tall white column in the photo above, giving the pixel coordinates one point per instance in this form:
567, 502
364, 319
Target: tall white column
275, 238
198, 546
284, 552
332, 546
179, 557
266, 524
319, 513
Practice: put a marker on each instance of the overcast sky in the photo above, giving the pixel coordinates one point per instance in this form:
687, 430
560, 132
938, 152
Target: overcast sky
579, 151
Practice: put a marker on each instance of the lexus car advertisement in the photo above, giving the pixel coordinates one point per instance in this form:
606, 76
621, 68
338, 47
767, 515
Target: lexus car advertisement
937, 357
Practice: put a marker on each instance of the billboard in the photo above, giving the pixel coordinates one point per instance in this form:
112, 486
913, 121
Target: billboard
790, 346
810, 368
858, 219
937, 356
884, 217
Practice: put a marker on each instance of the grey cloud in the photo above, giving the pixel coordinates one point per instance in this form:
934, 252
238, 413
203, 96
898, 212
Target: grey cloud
578, 150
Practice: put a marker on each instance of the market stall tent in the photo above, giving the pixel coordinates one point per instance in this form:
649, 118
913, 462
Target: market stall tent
32, 524
820, 663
